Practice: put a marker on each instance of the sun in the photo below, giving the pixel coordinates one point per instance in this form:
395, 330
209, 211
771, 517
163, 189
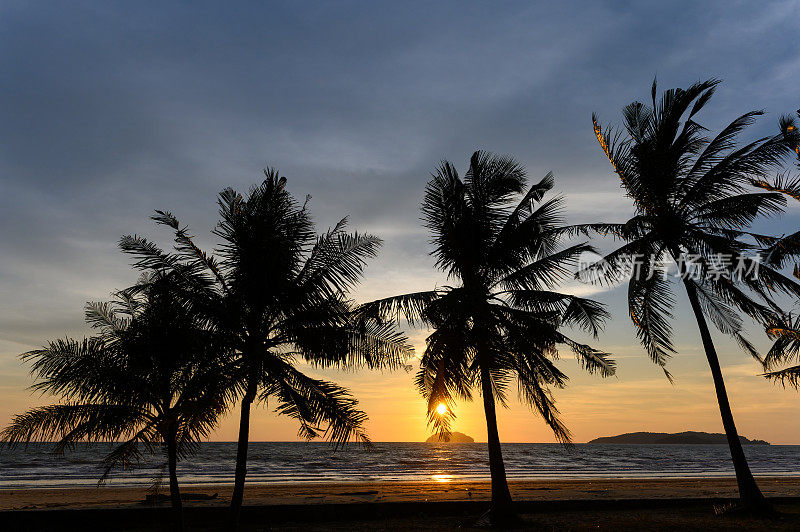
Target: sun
441, 409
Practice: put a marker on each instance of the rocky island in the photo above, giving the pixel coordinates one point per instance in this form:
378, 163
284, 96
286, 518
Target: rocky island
455, 437
665, 438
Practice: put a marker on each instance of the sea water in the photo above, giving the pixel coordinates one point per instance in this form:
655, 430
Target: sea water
321, 462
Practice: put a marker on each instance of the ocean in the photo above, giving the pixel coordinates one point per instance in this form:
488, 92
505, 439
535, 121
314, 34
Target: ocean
320, 462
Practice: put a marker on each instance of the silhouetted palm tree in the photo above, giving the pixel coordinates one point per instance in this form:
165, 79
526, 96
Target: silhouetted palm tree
146, 379
500, 323
277, 293
694, 201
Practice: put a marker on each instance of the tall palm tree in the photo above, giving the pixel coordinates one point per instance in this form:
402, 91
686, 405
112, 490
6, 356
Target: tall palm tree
693, 201
279, 292
146, 379
500, 321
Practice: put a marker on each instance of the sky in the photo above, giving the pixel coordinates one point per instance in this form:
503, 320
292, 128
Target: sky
110, 110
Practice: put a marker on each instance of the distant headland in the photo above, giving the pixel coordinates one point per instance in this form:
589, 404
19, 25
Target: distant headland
455, 437
666, 438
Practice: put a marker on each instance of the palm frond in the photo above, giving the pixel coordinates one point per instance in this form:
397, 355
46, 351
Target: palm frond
778, 251
184, 245
102, 315
547, 271
337, 261
72, 422
410, 307
352, 344
790, 376
534, 394
321, 407
650, 302
725, 318
591, 359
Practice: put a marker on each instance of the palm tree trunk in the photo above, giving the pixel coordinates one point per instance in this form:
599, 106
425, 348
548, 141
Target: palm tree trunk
241, 453
751, 497
501, 509
174, 490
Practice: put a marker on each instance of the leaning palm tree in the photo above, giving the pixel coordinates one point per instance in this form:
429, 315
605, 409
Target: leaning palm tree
278, 294
500, 322
693, 201
146, 380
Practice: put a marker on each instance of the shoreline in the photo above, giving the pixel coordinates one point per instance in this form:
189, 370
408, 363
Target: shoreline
318, 493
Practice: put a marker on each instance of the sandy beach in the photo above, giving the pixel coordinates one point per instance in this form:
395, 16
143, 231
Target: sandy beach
604, 504
391, 492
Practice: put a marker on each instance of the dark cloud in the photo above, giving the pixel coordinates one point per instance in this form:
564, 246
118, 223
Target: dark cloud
112, 109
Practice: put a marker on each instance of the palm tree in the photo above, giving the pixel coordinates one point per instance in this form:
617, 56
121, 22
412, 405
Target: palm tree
146, 379
278, 293
693, 201
500, 321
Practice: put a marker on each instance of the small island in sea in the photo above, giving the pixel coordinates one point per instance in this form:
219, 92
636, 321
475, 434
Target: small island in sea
455, 437
666, 438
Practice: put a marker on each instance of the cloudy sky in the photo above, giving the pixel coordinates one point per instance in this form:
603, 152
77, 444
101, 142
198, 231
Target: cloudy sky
110, 110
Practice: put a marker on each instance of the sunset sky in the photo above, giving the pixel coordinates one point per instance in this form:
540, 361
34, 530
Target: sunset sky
110, 110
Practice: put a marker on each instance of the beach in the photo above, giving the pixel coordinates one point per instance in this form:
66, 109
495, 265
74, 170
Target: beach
578, 504
311, 493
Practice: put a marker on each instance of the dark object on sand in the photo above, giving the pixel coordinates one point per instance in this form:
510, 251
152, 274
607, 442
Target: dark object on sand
160, 497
